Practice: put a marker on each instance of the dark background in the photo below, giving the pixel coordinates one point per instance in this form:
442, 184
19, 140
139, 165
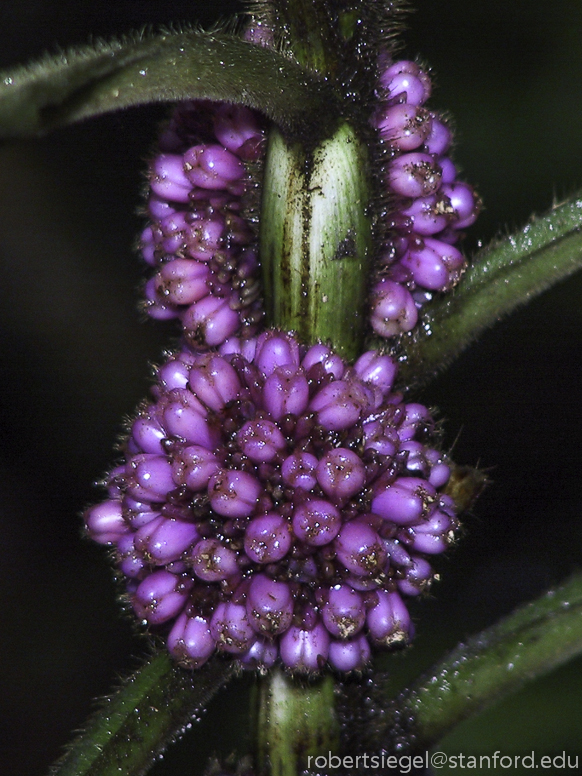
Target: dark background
74, 362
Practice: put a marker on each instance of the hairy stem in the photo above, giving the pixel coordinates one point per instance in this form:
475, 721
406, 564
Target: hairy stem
135, 724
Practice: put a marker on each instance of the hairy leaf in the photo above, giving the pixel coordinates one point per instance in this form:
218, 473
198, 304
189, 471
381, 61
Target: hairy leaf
501, 277
527, 644
169, 67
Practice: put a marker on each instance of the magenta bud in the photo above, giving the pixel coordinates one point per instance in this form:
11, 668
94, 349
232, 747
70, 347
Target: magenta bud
464, 203
205, 237
261, 440
305, 651
190, 641
147, 247
173, 374
388, 621
194, 466
212, 167
214, 381
159, 208
137, 518
350, 655
239, 346
262, 654
155, 307
381, 437
236, 127
405, 68
212, 561
161, 596
405, 86
428, 543
233, 493
298, 471
379, 370
211, 321
269, 605
148, 434
451, 257
414, 175
182, 419
404, 126
130, 561
165, 540
360, 549
426, 267
321, 354
182, 281
428, 214
275, 349
285, 392
339, 404
105, 523
417, 418
417, 577
343, 613
439, 138
230, 628
341, 473
316, 522
150, 476
449, 171
405, 502
392, 309
268, 538
168, 179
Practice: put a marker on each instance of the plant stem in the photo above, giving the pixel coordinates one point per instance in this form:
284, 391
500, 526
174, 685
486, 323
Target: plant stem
316, 239
315, 247
295, 721
133, 726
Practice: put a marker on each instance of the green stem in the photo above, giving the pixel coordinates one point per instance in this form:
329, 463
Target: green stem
502, 277
295, 721
309, 31
316, 239
315, 247
529, 643
151, 707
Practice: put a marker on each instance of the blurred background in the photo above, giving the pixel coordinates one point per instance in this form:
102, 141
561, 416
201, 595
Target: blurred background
75, 356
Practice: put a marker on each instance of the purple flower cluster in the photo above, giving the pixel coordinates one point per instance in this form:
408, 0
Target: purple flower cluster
428, 206
199, 241
275, 502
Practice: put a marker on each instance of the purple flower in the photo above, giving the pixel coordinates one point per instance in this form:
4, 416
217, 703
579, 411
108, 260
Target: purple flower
276, 502
200, 240
428, 207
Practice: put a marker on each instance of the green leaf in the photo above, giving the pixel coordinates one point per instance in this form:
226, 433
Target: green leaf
133, 726
92, 80
502, 277
528, 644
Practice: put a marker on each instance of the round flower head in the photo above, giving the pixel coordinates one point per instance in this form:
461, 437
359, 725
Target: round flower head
277, 503
200, 240
427, 206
